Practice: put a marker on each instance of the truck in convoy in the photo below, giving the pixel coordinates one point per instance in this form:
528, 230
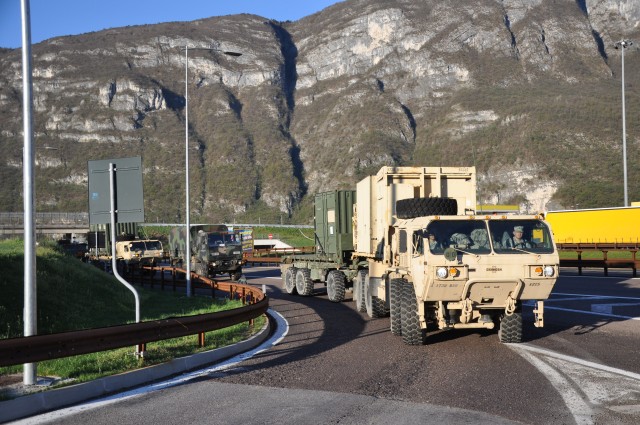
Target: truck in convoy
214, 250
408, 243
139, 252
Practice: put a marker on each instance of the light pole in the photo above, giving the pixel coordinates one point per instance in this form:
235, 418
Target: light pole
623, 44
187, 250
29, 314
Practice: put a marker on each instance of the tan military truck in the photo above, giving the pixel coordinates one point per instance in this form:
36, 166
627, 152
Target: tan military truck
421, 254
144, 252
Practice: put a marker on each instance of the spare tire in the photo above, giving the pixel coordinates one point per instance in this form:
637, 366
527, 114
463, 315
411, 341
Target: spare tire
420, 207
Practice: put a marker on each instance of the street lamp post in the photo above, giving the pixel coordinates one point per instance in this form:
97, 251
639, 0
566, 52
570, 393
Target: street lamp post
29, 314
623, 44
187, 253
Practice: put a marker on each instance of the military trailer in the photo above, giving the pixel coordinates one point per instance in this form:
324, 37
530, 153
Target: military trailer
214, 250
420, 254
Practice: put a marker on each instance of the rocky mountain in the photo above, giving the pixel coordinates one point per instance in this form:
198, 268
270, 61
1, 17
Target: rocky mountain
528, 91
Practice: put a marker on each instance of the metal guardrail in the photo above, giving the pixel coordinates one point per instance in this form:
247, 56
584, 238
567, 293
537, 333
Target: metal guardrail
53, 346
605, 262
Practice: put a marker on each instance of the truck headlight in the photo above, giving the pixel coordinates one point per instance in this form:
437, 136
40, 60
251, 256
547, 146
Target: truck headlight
549, 271
442, 272
236, 252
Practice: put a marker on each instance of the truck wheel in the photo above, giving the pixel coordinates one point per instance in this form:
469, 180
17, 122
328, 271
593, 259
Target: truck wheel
290, 281
358, 290
395, 305
511, 328
304, 284
374, 306
235, 275
420, 207
412, 334
335, 286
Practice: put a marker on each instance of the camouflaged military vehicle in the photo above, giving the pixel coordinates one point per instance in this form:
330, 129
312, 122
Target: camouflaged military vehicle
418, 252
214, 250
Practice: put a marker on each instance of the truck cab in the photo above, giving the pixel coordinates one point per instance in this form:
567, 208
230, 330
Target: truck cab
474, 271
147, 252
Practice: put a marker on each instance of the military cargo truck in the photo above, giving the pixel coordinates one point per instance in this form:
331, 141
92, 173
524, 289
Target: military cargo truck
420, 254
214, 250
145, 252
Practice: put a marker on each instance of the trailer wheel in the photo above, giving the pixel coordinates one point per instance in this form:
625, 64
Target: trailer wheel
420, 207
395, 305
412, 334
304, 284
335, 286
374, 306
358, 290
290, 281
511, 328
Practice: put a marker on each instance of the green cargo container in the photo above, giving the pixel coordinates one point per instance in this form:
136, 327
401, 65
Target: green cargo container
334, 224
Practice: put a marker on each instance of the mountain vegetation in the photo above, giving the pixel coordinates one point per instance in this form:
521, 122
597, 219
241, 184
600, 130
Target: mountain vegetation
527, 91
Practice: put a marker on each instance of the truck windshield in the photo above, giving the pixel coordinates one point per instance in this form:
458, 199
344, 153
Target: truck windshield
520, 236
467, 235
154, 245
217, 239
506, 236
136, 246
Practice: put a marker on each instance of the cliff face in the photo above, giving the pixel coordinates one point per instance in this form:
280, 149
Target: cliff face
528, 91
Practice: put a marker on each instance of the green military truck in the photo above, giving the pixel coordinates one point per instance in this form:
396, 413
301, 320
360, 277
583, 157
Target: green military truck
214, 250
409, 244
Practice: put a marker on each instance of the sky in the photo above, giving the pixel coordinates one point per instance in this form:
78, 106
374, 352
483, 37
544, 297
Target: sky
53, 18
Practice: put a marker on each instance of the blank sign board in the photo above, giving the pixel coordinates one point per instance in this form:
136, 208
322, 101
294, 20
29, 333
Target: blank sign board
128, 191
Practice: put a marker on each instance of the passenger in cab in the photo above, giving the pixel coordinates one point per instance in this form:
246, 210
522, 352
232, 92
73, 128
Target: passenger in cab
517, 241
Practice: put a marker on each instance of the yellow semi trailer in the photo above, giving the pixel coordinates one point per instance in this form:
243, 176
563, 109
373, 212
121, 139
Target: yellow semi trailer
599, 225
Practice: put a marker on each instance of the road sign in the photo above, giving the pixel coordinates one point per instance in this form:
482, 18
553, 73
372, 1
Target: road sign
128, 191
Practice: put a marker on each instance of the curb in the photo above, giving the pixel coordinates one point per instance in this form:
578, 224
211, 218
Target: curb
33, 404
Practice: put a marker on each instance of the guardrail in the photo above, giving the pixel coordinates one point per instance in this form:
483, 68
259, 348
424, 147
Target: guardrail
605, 262
38, 348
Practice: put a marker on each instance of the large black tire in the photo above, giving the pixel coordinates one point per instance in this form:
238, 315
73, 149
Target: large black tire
511, 328
420, 207
358, 290
412, 334
289, 280
335, 286
304, 284
395, 305
374, 306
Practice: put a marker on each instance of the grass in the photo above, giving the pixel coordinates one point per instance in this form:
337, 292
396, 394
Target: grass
73, 296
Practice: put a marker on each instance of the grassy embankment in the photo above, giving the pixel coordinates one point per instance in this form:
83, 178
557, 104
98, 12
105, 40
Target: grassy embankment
73, 295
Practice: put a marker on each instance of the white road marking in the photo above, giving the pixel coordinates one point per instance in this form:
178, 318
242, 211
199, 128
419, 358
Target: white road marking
580, 410
584, 385
282, 329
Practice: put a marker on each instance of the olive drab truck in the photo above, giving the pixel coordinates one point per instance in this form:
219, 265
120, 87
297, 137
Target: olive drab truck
421, 255
214, 250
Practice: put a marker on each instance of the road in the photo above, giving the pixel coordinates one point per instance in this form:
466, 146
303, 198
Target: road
335, 365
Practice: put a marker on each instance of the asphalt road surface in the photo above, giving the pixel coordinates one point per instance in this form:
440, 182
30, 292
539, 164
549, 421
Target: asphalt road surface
335, 365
